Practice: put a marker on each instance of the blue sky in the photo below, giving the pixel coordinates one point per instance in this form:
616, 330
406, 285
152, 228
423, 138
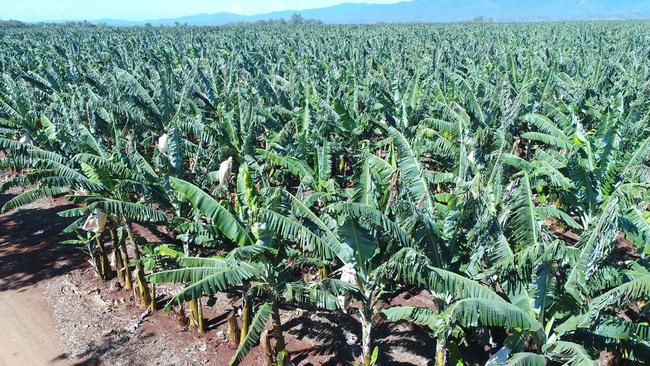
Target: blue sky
39, 10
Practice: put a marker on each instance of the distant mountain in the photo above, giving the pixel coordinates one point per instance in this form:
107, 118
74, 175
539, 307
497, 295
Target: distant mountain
436, 11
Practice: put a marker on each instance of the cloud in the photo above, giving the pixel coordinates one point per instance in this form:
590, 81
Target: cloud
21, 7
235, 9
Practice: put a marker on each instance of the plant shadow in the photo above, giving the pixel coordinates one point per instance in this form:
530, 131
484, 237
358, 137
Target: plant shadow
30, 247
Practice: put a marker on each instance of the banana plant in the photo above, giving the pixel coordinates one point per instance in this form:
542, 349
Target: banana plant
338, 233
256, 262
461, 304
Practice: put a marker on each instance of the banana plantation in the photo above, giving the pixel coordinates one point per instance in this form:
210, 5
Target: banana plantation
501, 169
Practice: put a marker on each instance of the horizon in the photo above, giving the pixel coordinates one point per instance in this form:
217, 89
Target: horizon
37, 11
210, 13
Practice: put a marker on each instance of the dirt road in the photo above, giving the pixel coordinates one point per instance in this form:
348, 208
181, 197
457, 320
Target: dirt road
30, 254
28, 336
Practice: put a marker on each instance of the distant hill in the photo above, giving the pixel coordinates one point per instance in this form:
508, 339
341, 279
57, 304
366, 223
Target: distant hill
436, 11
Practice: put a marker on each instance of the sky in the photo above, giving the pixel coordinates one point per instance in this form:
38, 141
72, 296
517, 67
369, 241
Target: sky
42, 10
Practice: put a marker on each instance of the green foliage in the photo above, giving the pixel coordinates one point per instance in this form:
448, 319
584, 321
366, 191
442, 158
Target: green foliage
223, 220
508, 178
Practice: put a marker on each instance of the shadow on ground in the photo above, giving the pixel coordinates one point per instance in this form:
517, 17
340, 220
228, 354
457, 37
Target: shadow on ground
399, 344
96, 351
30, 248
329, 331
